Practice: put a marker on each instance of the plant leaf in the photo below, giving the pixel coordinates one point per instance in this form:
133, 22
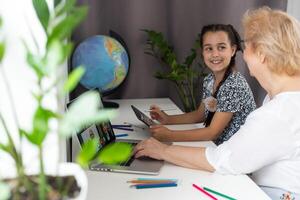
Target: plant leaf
66, 7
40, 125
4, 191
87, 152
42, 11
5, 148
73, 79
54, 56
115, 153
82, 112
37, 64
2, 50
64, 29
56, 3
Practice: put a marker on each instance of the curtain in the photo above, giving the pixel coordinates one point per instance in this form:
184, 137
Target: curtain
179, 21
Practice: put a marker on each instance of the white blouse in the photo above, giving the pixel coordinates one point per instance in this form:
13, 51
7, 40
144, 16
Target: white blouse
267, 145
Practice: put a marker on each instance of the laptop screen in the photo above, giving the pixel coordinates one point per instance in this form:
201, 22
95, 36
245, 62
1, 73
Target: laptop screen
102, 130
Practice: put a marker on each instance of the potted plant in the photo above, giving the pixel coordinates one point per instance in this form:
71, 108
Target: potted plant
58, 23
186, 76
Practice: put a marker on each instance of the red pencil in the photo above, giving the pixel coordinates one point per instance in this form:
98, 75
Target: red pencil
204, 192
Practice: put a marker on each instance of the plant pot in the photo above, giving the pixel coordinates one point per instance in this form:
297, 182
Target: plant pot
75, 170
69, 177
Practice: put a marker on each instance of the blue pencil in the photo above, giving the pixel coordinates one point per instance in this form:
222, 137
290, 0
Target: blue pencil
158, 185
124, 129
122, 125
121, 135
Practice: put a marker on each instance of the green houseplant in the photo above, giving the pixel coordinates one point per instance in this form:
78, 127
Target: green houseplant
185, 76
58, 22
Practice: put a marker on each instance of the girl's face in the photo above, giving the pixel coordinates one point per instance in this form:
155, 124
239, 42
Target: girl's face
217, 51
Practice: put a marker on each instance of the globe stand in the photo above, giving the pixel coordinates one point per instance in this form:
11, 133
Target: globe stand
109, 104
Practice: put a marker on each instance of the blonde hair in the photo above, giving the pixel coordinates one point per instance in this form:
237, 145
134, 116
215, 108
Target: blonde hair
275, 34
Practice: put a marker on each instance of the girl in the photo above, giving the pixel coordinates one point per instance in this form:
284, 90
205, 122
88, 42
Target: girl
227, 98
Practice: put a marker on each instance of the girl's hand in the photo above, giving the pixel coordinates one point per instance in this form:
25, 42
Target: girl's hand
150, 148
158, 115
161, 133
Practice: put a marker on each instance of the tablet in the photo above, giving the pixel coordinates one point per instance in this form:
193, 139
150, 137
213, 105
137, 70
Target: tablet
142, 117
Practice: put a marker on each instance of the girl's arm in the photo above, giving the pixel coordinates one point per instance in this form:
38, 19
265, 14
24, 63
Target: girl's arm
218, 124
196, 116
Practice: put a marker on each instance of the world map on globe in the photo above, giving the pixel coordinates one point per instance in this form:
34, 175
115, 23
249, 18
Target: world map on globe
105, 62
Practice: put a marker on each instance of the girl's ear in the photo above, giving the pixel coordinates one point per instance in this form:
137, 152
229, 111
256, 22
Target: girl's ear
233, 48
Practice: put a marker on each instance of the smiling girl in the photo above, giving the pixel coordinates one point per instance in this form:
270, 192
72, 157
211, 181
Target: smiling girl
227, 98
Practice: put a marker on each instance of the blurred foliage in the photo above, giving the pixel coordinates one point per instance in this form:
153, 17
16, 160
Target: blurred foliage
115, 153
47, 63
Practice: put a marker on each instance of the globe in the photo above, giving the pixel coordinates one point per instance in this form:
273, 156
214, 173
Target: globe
105, 61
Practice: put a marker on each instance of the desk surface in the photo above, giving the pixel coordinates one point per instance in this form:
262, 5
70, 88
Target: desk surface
107, 185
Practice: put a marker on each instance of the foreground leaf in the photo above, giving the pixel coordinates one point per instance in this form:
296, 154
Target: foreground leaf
42, 11
40, 126
73, 79
5, 148
115, 153
2, 50
84, 111
87, 153
54, 57
4, 191
64, 29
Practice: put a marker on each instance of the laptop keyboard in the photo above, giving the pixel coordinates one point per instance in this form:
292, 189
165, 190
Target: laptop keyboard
130, 159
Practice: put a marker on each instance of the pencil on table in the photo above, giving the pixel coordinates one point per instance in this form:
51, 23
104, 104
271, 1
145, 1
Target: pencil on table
151, 181
159, 185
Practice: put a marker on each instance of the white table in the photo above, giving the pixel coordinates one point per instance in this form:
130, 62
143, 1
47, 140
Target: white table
107, 185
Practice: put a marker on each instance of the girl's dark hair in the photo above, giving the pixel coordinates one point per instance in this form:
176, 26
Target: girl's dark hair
234, 39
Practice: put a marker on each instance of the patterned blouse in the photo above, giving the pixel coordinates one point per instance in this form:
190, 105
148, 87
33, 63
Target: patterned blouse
234, 96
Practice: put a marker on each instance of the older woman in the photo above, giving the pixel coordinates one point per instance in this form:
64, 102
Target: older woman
268, 144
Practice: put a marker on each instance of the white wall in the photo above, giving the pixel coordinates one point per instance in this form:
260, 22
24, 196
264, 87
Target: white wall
293, 8
17, 16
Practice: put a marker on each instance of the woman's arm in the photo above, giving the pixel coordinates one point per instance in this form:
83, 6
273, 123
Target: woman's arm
219, 122
190, 157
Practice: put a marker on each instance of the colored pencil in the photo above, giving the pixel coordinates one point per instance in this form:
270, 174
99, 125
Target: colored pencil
124, 129
159, 185
161, 109
122, 125
133, 125
157, 179
204, 192
121, 135
218, 193
150, 181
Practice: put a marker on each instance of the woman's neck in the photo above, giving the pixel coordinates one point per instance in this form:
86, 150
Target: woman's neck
285, 83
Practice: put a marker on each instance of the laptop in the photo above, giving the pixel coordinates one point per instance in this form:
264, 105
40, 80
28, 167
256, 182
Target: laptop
106, 135
142, 117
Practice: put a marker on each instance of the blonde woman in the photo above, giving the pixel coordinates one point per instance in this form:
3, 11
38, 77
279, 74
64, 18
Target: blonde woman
267, 146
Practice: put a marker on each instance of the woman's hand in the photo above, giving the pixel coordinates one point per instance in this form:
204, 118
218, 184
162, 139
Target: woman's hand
158, 114
161, 133
150, 148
